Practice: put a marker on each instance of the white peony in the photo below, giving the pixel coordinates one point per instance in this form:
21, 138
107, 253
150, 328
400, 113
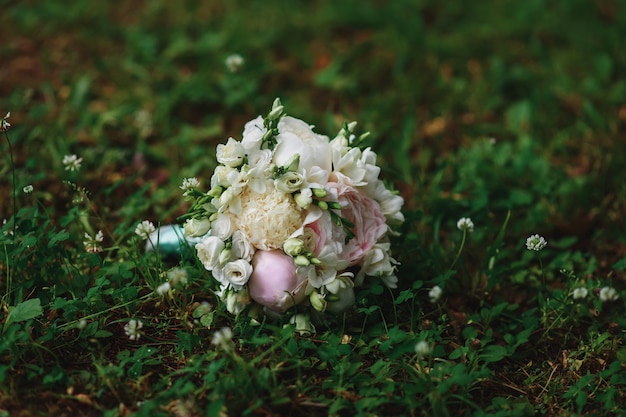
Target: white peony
268, 219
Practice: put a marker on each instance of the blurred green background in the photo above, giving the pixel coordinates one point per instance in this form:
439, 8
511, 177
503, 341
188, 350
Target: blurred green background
475, 108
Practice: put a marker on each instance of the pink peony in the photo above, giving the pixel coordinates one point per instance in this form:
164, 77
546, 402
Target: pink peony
364, 212
274, 282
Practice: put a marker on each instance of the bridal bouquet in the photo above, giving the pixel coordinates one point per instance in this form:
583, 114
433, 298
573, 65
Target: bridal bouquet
293, 218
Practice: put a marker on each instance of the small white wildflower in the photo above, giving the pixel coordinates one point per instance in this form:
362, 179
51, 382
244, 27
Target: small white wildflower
4, 125
223, 339
536, 243
234, 62
163, 288
92, 244
144, 229
465, 224
82, 323
608, 294
422, 348
132, 329
28, 189
72, 162
143, 121
435, 294
189, 184
177, 276
580, 293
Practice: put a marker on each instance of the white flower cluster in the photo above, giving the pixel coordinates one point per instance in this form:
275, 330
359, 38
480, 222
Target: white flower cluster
294, 217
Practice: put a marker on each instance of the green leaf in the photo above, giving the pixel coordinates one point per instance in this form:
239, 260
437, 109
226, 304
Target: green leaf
58, 237
25, 310
493, 353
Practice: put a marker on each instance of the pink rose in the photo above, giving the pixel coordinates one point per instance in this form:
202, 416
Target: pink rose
274, 282
364, 212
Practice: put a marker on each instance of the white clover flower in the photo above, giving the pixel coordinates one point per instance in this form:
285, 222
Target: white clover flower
608, 294
189, 184
164, 288
580, 293
6, 233
435, 294
536, 243
143, 121
28, 189
92, 244
144, 229
72, 162
223, 339
177, 276
465, 224
234, 62
132, 329
422, 348
4, 125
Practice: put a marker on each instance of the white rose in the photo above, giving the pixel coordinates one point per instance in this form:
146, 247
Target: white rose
232, 154
289, 182
209, 250
293, 246
197, 227
237, 273
241, 246
223, 227
297, 137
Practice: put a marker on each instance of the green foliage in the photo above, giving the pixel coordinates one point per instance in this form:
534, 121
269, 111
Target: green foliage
506, 112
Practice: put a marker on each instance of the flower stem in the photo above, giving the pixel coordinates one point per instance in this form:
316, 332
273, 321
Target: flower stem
14, 182
458, 254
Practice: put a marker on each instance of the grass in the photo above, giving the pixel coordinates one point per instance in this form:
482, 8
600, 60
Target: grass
510, 113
